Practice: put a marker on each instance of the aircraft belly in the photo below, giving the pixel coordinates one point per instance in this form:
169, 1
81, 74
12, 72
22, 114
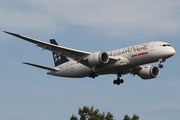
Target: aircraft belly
112, 68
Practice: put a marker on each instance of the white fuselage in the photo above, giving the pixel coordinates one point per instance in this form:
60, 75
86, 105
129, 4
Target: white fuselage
127, 58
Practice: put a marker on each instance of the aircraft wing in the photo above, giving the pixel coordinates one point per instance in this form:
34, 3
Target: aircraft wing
77, 55
52, 47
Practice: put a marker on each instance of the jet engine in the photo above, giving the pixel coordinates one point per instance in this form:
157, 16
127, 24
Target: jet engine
98, 58
149, 72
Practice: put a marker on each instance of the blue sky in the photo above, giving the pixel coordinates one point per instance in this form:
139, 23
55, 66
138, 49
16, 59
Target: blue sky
28, 93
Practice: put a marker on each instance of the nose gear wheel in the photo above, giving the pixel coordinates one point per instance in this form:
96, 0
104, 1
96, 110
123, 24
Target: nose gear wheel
161, 61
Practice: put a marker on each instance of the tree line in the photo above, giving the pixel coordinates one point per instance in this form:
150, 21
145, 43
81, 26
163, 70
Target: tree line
87, 113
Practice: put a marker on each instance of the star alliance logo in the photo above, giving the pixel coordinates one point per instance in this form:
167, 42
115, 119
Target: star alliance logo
57, 57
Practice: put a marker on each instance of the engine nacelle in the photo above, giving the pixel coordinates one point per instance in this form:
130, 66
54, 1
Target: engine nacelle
98, 58
149, 72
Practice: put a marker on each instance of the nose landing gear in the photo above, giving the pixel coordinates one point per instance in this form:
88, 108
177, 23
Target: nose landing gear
160, 66
161, 61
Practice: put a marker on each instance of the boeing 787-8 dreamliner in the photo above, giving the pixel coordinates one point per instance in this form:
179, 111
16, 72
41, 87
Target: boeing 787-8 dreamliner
120, 62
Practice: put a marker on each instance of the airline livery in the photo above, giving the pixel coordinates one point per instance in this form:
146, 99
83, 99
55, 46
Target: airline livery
119, 62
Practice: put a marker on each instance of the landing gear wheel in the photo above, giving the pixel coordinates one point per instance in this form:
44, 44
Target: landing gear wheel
115, 81
161, 61
93, 75
118, 81
121, 81
160, 66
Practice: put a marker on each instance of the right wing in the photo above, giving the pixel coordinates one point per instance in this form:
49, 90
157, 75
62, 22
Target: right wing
77, 55
52, 47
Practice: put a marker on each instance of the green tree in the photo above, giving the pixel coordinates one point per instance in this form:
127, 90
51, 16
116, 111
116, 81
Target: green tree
73, 117
87, 113
135, 117
126, 117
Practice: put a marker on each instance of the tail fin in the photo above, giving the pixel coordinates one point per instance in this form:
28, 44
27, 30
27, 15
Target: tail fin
58, 59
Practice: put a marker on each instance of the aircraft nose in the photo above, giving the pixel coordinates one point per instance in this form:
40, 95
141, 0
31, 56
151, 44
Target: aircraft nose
171, 52
168, 52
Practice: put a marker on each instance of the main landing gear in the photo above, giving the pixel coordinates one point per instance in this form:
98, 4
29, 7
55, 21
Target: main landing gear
93, 75
118, 81
161, 61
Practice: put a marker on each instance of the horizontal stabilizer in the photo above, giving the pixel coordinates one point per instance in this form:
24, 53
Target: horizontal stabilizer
42, 67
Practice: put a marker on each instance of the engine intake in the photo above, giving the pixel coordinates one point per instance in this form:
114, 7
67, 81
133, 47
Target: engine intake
149, 72
98, 58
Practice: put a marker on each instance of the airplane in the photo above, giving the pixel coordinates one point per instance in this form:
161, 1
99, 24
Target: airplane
120, 62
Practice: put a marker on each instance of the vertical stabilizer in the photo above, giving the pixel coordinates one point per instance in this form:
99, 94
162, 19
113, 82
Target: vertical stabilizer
58, 59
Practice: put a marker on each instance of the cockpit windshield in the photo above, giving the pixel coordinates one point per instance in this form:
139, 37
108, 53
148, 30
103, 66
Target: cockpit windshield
164, 45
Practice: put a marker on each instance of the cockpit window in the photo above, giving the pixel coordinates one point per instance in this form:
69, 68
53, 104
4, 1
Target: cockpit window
164, 45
